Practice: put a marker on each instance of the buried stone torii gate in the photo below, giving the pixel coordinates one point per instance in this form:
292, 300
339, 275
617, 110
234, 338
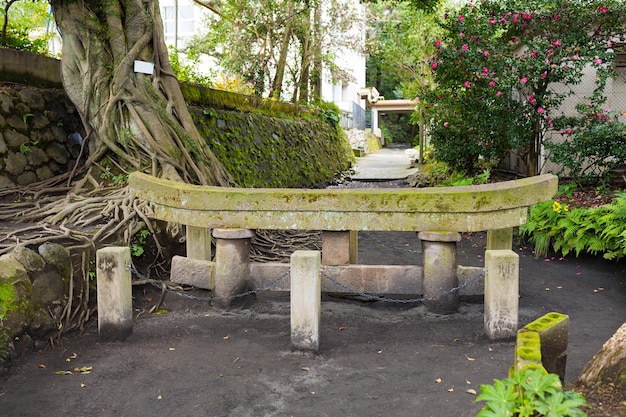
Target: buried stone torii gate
438, 214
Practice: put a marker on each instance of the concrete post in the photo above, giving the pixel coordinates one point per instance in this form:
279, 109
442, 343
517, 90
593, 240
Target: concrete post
335, 247
354, 247
115, 305
306, 299
232, 262
501, 293
198, 243
500, 239
440, 268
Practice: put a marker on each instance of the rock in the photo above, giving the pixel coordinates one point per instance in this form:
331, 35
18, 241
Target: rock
6, 103
32, 98
48, 288
58, 153
56, 256
3, 145
36, 156
6, 183
30, 260
26, 178
17, 123
15, 139
15, 163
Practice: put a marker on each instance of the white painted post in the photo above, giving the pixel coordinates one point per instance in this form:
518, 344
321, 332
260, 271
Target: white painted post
306, 300
501, 293
115, 305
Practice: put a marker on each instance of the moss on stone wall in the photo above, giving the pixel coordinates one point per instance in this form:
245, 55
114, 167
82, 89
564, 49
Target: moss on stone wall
263, 151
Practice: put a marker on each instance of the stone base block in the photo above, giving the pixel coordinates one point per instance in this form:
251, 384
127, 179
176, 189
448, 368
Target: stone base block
195, 272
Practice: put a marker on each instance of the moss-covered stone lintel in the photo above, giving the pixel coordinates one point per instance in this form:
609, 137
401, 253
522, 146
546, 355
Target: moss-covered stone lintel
542, 344
461, 209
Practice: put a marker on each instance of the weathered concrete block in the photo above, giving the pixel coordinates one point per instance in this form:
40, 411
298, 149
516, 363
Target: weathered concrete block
232, 259
335, 248
198, 243
501, 293
115, 306
527, 351
195, 272
500, 239
553, 331
306, 299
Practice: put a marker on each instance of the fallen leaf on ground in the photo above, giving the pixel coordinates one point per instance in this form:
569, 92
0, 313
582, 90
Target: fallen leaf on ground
438, 380
83, 370
42, 366
470, 359
471, 391
225, 337
172, 349
451, 389
306, 368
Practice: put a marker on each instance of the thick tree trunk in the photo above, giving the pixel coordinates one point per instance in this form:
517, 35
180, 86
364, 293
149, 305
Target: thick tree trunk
609, 364
141, 118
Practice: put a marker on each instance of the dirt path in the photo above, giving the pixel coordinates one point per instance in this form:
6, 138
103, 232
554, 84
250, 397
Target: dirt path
375, 359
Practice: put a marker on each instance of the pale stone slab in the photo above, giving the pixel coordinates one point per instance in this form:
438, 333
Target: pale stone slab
195, 272
198, 243
115, 305
335, 248
501, 293
306, 300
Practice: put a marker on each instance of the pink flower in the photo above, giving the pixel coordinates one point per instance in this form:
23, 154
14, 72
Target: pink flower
467, 84
576, 56
493, 21
534, 54
557, 17
461, 18
499, 93
544, 75
597, 61
486, 53
437, 43
503, 21
515, 17
532, 99
541, 110
445, 124
485, 70
568, 132
603, 9
526, 16
464, 47
549, 52
433, 65
492, 83
523, 80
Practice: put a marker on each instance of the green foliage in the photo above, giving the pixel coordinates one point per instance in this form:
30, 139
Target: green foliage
496, 64
531, 393
25, 147
599, 230
24, 21
329, 112
184, 65
594, 144
138, 243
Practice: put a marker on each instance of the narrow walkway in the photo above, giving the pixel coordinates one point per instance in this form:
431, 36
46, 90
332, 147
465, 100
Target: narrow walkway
387, 164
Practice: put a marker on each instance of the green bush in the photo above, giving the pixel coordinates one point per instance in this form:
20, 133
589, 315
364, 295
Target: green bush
594, 144
599, 230
531, 393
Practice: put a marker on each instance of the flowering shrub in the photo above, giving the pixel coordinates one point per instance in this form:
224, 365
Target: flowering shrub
495, 66
594, 144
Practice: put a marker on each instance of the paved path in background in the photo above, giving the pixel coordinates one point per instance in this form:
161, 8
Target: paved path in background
384, 165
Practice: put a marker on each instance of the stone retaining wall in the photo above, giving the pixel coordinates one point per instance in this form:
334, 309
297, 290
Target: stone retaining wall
40, 134
33, 286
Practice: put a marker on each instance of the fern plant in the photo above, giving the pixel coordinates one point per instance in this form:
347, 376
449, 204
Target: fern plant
531, 393
599, 230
